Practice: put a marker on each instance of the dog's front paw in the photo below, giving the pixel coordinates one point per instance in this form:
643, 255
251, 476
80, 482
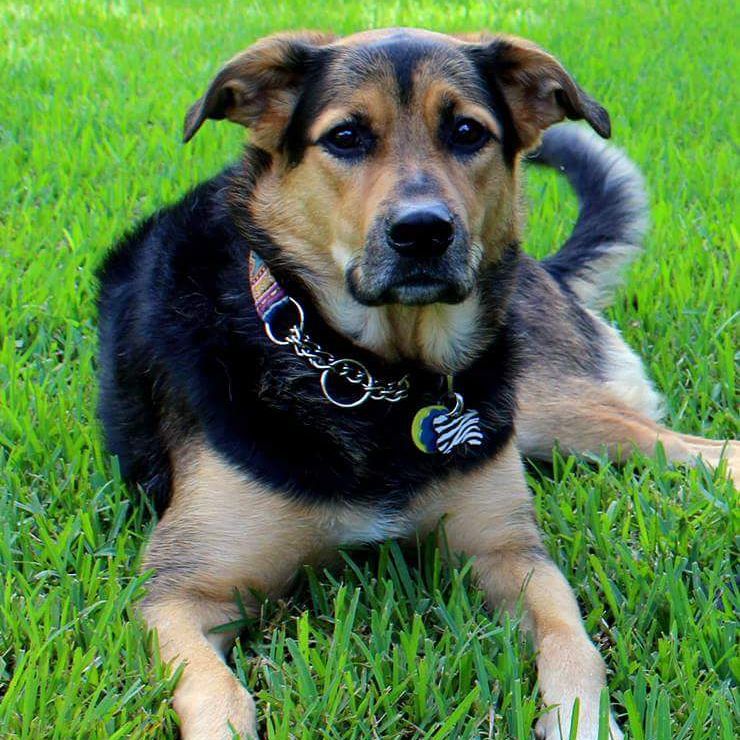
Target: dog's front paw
570, 668
556, 724
221, 711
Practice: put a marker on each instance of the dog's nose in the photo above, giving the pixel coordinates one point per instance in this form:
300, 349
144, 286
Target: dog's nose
422, 230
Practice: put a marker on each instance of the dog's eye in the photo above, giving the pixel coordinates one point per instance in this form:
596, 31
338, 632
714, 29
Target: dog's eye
348, 141
468, 136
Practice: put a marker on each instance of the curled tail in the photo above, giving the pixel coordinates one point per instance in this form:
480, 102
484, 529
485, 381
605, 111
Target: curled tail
612, 218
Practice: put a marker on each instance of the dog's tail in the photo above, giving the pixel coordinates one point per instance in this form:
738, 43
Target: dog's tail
612, 218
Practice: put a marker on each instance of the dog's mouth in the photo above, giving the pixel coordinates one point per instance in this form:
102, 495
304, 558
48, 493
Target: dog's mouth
417, 288
421, 290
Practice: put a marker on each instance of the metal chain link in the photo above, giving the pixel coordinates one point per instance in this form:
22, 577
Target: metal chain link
352, 371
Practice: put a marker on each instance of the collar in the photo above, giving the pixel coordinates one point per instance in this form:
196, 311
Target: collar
347, 383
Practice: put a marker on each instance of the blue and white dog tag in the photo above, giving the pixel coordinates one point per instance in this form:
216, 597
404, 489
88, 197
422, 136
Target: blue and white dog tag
457, 429
439, 429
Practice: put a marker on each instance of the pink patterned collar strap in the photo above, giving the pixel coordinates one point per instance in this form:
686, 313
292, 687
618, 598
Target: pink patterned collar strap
267, 294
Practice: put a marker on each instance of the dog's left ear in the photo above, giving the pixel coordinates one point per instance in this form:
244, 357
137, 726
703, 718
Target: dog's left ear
259, 87
536, 88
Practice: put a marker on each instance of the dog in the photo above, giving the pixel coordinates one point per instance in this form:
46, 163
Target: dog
338, 340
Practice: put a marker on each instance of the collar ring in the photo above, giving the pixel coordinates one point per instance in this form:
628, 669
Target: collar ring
296, 328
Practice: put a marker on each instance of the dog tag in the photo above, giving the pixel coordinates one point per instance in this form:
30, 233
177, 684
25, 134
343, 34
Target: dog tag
454, 430
437, 429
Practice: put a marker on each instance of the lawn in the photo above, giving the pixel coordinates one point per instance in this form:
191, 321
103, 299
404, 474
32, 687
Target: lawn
93, 95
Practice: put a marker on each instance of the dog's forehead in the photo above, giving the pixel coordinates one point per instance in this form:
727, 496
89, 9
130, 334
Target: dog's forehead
400, 59
378, 73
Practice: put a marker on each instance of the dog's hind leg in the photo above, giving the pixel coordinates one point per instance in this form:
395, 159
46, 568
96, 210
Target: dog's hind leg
221, 533
581, 418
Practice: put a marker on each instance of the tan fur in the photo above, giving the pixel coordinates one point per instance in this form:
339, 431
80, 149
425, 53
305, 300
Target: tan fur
221, 533
260, 89
321, 211
325, 229
209, 700
615, 415
584, 417
530, 89
225, 533
538, 90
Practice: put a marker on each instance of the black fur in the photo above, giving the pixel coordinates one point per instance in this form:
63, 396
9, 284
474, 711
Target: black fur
183, 353
314, 96
404, 52
554, 330
472, 71
486, 60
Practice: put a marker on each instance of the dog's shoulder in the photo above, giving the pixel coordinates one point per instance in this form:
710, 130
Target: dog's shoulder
177, 240
166, 283
555, 329
161, 319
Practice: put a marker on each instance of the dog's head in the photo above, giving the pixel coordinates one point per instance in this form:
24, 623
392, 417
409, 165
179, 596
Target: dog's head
393, 166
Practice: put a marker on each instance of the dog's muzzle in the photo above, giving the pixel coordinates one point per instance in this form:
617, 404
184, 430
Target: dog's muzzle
419, 254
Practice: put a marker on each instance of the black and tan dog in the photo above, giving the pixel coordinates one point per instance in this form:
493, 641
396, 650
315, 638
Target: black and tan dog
381, 190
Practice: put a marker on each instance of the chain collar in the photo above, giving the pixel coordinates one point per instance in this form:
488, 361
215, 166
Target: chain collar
353, 372
270, 300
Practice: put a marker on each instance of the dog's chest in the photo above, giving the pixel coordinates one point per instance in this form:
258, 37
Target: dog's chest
282, 430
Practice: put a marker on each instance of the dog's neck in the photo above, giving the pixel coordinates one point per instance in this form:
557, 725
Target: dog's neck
441, 337
438, 336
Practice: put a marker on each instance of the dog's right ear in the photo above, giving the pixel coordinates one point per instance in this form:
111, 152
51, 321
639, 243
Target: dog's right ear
260, 86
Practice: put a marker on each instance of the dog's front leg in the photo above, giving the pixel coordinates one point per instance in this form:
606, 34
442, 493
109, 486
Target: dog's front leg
489, 515
209, 700
568, 665
221, 533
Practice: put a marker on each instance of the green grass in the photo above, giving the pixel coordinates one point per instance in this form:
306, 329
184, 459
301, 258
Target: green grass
93, 95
